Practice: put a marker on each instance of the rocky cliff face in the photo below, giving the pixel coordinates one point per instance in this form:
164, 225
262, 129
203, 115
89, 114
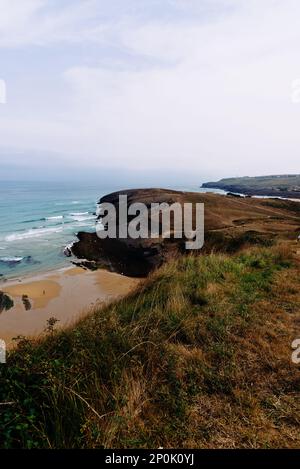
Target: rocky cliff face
229, 223
132, 257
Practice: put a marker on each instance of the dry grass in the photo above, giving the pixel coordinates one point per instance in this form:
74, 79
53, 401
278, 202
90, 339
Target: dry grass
199, 357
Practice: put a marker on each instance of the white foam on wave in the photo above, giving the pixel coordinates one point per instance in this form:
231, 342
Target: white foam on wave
82, 216
75, 214
83, 219
11, 259
59, 217
31, 234
68, 249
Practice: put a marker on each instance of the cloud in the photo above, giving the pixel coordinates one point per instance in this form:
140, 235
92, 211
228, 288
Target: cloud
36, 23
198, 85
218, 95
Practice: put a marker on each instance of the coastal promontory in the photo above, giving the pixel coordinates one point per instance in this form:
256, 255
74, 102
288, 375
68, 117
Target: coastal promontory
230, 223
285, 186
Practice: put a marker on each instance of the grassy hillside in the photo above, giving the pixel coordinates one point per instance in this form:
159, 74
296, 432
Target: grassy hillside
266, 181
200, 356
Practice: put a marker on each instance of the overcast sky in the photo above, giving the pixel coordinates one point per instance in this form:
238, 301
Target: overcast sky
193, 86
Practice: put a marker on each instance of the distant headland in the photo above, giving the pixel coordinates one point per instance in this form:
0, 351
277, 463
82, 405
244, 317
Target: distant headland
287, 186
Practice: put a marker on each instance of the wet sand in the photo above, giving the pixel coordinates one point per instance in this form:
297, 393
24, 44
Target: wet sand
66, 295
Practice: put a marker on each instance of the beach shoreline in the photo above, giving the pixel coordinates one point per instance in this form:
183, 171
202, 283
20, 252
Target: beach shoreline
66, 294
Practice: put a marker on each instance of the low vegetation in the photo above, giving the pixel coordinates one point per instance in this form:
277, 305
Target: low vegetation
288, 205
199, 356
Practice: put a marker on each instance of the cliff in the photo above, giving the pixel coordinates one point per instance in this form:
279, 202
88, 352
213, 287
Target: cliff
229, 224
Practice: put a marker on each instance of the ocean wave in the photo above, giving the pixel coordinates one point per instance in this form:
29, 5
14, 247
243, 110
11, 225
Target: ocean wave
10, 260
75, 214
34, 233
33, 220
58, 217
82, 216
68, 249
83, 219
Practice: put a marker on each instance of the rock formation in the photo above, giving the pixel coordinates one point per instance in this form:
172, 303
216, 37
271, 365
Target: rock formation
229, 224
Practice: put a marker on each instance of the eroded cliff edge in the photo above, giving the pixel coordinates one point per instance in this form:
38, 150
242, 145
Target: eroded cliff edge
230, 223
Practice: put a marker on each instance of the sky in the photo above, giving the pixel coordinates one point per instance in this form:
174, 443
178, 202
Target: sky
200, 89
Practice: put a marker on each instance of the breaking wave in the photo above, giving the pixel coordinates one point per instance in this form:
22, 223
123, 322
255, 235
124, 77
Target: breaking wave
33, 233
11, 260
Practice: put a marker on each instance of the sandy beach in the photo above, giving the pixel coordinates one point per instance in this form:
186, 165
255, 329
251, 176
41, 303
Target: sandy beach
66, 294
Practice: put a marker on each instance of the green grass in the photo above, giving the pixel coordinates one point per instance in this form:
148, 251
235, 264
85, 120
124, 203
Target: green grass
191, 359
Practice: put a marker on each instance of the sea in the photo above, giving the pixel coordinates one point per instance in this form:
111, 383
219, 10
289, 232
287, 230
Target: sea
38, 220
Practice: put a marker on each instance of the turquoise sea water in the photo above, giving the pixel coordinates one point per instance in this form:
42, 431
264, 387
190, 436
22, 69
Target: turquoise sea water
38, 220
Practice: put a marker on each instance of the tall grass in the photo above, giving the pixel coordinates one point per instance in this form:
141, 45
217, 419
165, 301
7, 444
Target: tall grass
198, 356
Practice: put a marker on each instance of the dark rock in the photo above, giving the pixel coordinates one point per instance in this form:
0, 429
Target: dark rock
128, 256
26, 302
6, 302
